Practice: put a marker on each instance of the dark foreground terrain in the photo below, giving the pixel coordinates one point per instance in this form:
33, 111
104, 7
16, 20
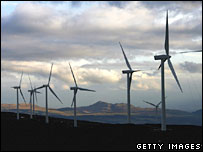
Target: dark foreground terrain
59, 134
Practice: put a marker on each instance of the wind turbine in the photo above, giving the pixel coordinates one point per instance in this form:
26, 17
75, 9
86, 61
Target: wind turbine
46, 96
19, 88
75, 89
129, 79
33, 92
156, 106
163, 58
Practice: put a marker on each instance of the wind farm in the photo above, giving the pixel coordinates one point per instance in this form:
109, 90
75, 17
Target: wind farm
125, 108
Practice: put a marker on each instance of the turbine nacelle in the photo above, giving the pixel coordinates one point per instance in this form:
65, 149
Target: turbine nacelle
35, 90
16, 87
162, 57
129, 71
73, 88
82, 89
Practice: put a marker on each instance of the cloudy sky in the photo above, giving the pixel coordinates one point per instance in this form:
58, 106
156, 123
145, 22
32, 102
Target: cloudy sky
86, 34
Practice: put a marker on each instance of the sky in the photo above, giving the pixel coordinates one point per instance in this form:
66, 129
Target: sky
86, 34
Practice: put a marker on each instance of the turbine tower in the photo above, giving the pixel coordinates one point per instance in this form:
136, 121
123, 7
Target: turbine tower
163, 58
46, 96
33, 101
75, 89
129, 79
19, 88
33, 92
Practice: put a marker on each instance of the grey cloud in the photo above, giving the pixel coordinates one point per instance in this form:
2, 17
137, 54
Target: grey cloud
153, 73
61, 72
191, 67
189, 5
118, 63
119, 4
46, 51
9, 66
38, 70
52, 2
172, 5
76, 3
30, 37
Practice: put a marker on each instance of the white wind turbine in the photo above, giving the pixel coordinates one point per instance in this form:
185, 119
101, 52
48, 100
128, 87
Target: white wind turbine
33, 92
19, 88
46, 96
75, 89
163, 58
129, 79
33, 108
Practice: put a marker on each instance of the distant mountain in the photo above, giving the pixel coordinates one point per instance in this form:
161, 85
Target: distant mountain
21, 106
114, 113
104, 107
198, 112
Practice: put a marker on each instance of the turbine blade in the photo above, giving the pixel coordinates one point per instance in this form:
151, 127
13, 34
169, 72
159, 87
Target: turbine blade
30, 82
30, 97
22, 95
149, 103
159, 103
126, 60
73, 99
50, 73
167, 36
39, 87
130, 80
138, 70
35, 95
35, 90
84, 89
159, 66
174, 74
191, 51
21, 79
54, 94
73, 75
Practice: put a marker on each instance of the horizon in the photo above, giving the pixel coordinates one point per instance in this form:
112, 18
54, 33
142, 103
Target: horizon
148, 107
62, 32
